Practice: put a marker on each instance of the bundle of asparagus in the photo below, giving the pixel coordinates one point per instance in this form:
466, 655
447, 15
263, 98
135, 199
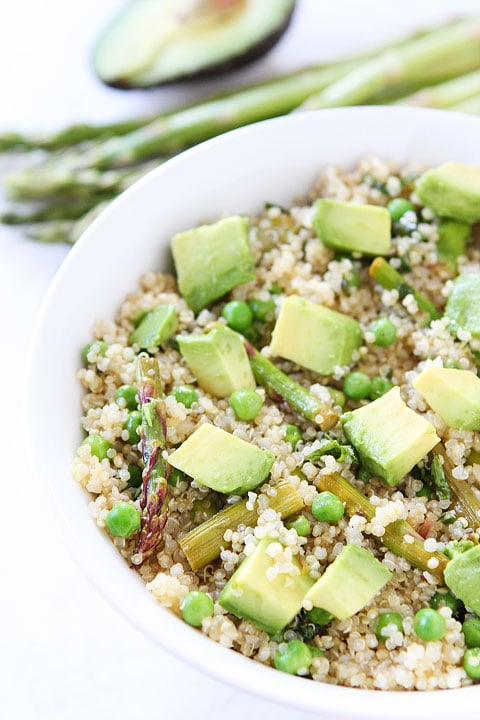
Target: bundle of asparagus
84, 166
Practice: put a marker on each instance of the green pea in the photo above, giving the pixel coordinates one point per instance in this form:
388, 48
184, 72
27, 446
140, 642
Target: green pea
471, 630
316, 652
357, 385
327, 507
261, 309
319, 616
301, 525
195, 607
398, 207
238, 314
378, 387
429, 624
185, 394
294, 657
98, 446
128, 394
132, 424
135, 479
384, 331
293, 435
175, 476
251, 334
123, 520
98, 348
246, 404
444, 599
471, 663
384, 620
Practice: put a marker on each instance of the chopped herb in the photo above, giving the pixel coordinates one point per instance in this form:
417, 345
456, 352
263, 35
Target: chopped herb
442, 488
333, 447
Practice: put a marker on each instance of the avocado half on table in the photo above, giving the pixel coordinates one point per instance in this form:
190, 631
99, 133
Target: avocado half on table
153, 42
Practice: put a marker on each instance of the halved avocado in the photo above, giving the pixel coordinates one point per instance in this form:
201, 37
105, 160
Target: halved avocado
153, 42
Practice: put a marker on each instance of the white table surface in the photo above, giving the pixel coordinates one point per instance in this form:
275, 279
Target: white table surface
64, 653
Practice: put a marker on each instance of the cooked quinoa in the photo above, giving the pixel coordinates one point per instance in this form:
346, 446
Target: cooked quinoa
290, 259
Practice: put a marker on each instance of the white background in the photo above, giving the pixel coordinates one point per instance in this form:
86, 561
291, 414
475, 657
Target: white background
63, 652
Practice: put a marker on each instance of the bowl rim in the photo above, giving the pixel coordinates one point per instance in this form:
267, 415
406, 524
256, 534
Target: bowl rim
332, 701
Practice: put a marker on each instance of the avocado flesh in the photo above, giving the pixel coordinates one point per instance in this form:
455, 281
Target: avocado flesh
349, 583
389, 437
453, 394
462, 577
463, 305
218, 360
452, 190
452, 240
268, 604
221, 461
314, 336
210, 260
155, 327
152, 42
353, 227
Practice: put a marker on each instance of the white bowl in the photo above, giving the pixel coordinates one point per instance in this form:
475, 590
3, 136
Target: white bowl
270, 161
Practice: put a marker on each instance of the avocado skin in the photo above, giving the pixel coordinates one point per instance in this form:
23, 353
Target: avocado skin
462, 577
256, 51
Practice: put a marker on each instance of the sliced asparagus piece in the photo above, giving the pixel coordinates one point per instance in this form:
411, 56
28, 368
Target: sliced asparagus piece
298, 397
386, 276
471, 106
203, 544
152, 431
447, 94
424, 60
394, 538
462, 490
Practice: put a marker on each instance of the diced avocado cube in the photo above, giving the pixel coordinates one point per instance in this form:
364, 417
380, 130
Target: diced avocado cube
210, 260
462, 577
349, 583
218, 360
314, 336
270, 604
463, 305
389, 437
452, 190
155, 327
452, 239
221, 461
353, 227
453, 394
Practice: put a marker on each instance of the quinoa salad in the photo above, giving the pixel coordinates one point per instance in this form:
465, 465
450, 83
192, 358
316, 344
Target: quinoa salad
286, 450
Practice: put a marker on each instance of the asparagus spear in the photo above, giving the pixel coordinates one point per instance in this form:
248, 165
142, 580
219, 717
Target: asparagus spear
451, 50
471, 106
58, 182
300, 399
203, 544
464, 493
73, 135
386, 276
57, 211
152, 431
64, 231
394, 538
447, 94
